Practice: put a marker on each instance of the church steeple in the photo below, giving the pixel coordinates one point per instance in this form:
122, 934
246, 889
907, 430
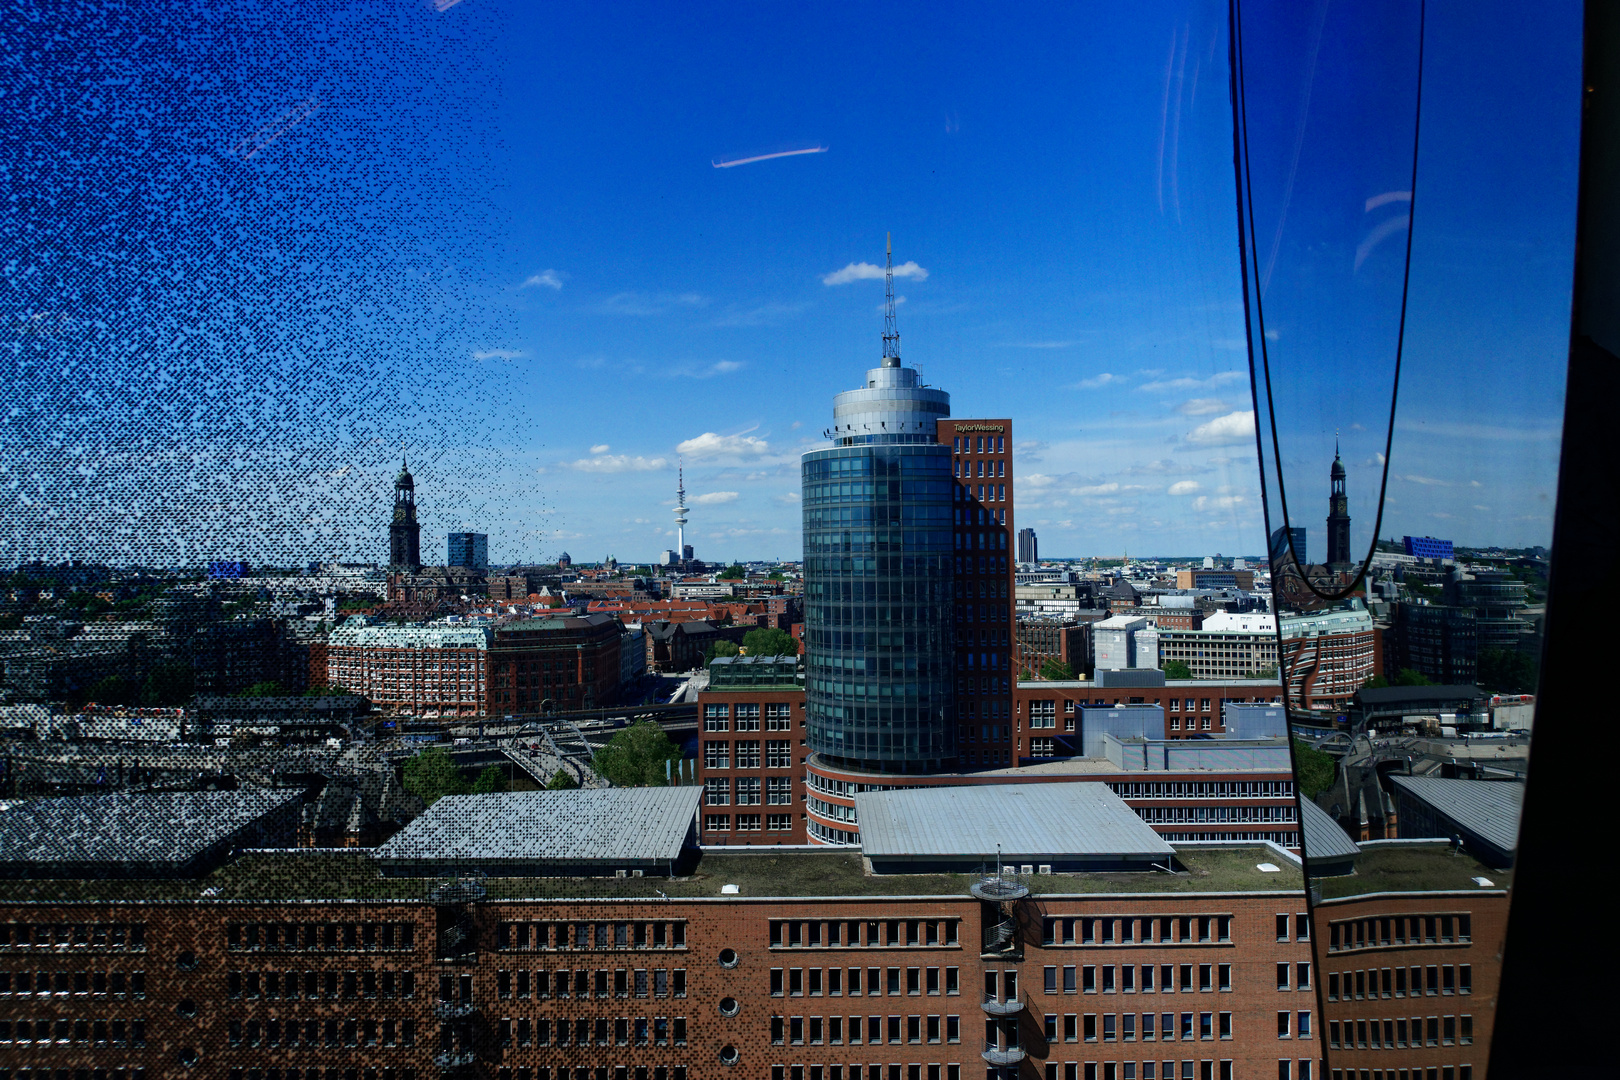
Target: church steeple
404, 533
1338, 519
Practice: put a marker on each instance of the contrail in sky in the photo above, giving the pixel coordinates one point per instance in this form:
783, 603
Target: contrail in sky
767, 157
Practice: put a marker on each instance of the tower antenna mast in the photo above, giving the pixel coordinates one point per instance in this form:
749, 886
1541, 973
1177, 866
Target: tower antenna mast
891, 333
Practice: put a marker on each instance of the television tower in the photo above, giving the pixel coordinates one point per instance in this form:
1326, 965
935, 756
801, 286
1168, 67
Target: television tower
891, 332
680, 513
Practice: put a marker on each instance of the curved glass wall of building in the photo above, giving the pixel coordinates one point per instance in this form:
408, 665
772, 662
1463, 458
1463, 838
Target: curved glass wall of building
877, 612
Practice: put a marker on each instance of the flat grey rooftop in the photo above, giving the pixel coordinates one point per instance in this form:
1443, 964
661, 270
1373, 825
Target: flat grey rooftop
1021, 819
131, 828
581, 826
1488, 808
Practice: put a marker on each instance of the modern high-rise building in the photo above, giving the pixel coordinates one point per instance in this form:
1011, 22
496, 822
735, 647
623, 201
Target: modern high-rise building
1028, 549
1338, 519
1279, 545
404, 533
470, 550
908, 581
878, 551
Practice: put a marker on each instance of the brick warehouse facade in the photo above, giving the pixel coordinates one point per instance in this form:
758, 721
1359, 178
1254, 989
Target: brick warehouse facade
633, 987
1410, 982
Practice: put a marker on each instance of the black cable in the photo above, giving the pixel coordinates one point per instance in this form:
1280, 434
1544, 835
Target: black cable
1251, 258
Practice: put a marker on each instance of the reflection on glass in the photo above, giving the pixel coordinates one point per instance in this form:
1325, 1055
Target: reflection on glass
1407, 315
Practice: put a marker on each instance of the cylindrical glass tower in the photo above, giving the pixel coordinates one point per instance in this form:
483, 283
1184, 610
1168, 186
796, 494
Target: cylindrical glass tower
877, 570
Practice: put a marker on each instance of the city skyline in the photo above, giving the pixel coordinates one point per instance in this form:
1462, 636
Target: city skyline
714, 327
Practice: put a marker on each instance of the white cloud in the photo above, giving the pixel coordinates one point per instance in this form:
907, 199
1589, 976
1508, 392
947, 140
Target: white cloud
1095, 489
714, 498
1218, 502
1096, 382
760, 315
618, 463
1187, 383
796, 425
635, 303
499, 354
600, 448
884, 306
1228, 430
1202, 406
711, 445
1037, 480
865, 271
551, 279
1183, 487
723, 367
1426, 481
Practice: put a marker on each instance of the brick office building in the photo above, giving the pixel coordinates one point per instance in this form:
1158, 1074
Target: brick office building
566, 662
810, 968
983, 527
752, 751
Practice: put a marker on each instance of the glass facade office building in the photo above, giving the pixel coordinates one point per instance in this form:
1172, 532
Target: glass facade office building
878, 552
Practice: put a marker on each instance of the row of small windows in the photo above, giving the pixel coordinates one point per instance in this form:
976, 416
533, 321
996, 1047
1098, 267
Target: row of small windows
1390, 930
1090, 979
1398, 1034
315, 1033
583, 1072
76, 1074
1433, 1072
717, 790
879, 982
852, 933
591, 935
348, 937
1139, 930
70, 935
1394, 982
63, 1031
719, 755
1203, 789
1109, 1027
309, 1072
97, 983
968, 469
319, 985
641, 982
1181, 815
934, 1071
718, 717
600, 1031
748, 823
894, 1030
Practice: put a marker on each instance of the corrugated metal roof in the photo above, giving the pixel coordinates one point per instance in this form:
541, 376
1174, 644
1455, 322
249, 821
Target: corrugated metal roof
1024, 819
586, 826
1323, 837
170, 827
1488, 808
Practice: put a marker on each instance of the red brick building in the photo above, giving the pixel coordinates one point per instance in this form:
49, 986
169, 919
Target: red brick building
986, 640
1410, 978
813, 970
751, 751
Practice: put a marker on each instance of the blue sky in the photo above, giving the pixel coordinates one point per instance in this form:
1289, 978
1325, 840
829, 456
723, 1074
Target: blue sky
496, 234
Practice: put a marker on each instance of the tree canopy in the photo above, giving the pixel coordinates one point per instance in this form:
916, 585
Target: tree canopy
169, 685
732, 573
431, 775
720, 648
1177, 669
561, 781
635, 756
490, 781
1507, 671
769, 641
1313, 769
1412, 677
1057, 670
